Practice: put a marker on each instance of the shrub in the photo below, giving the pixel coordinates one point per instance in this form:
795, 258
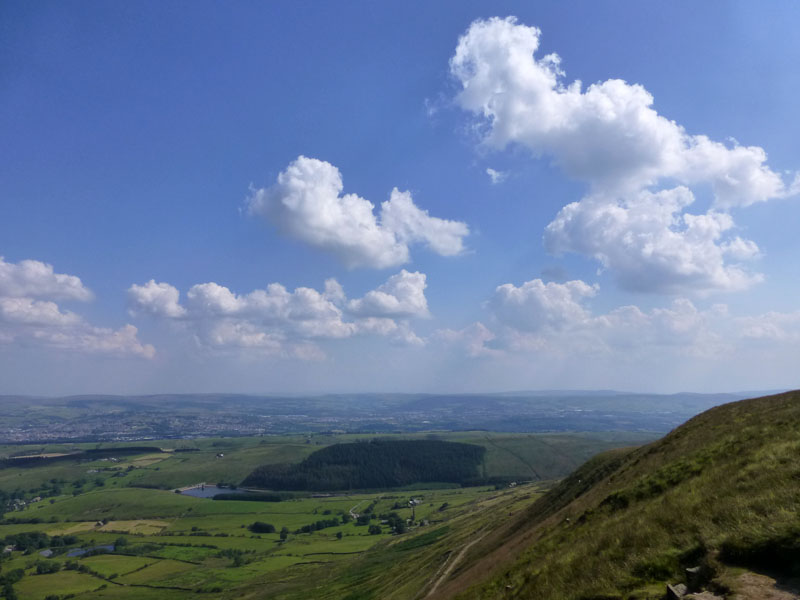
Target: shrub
261, 527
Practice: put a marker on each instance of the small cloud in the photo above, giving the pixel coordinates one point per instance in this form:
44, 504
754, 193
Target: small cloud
496, 176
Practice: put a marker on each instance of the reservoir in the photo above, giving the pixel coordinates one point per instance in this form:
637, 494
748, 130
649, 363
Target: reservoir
208, 491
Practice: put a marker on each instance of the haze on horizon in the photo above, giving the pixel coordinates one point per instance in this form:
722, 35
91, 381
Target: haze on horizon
419, 199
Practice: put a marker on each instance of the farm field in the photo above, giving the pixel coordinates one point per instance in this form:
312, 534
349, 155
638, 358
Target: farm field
97, 525
207, 546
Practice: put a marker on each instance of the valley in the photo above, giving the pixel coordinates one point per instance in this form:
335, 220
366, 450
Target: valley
566, 516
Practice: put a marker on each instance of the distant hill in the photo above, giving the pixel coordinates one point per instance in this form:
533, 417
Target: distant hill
374, 464
92, 418
721, 491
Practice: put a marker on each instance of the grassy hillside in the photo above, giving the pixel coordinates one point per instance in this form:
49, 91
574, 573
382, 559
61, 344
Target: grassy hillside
721, 492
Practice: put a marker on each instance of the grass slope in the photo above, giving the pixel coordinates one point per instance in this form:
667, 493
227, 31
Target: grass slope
722, 490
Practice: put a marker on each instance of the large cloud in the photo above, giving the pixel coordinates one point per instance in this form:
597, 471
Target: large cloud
30, 317
307, 203
650, 245
610, 136
281, 322
31, 278
553, 321
536, 305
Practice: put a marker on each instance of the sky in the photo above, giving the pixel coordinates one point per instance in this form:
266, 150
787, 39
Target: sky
305, 197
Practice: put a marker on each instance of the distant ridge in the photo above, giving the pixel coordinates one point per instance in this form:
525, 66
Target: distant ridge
103, 417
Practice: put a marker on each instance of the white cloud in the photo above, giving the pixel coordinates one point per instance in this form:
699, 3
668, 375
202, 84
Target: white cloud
496, 176
536, 305
159, 299
35, 312
610, 136
650, 245
31, 278
307, 203
276, 321
29, 317
304, 312
553, 322
402, 296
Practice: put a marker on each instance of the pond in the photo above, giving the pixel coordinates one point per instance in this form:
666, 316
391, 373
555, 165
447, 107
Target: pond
81, 551
209, 491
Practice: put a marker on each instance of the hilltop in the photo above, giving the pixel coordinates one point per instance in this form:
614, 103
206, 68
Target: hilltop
721, 492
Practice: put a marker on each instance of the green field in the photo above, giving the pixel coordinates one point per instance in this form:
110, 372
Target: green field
207, 545
169, 545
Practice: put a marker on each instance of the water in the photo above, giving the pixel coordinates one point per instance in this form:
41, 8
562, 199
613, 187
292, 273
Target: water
80, 551
209, 491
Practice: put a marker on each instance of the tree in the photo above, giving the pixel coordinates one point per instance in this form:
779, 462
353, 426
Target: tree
44, 567
284, 533
374, 529
261, 527
338, 535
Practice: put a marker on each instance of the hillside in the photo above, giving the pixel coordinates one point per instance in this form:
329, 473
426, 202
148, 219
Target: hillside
374, 464
721, 492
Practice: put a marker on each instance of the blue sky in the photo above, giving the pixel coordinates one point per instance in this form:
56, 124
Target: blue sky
184, 195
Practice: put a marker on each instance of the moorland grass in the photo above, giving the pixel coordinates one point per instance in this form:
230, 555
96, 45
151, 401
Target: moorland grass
724, 486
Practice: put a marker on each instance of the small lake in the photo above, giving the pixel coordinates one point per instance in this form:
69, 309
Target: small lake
81, 551
209, 491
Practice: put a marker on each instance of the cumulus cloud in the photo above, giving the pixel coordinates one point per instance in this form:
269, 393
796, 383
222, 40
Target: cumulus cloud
402, 296
536, 305
35, 279
650, 245
159, 299
611, 137
277, 321
30, 317
554, 321
307, 203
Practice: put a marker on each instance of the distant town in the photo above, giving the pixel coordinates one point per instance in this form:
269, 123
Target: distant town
130, 418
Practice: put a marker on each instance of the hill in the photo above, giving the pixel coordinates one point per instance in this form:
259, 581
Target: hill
721, 492
374, 464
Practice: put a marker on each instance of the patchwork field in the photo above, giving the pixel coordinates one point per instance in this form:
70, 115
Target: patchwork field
114, 527
206, 546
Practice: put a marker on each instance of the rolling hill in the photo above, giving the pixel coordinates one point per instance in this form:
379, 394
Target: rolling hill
721, 492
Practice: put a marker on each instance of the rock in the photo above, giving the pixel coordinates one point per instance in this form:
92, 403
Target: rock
694, 578
676, 591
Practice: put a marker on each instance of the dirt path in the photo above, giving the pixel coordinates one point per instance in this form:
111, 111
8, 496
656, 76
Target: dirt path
449, 565
753, 586
353, 512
